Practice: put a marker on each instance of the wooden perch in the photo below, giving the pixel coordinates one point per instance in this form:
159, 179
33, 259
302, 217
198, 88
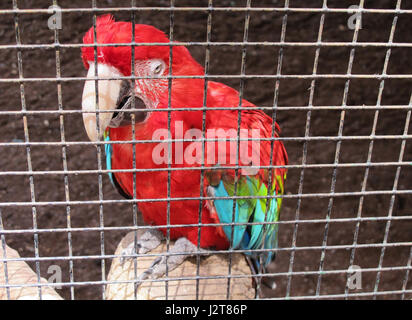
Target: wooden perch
19, 273
209, 289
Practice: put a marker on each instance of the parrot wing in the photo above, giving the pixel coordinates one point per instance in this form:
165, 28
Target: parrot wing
249, 214
259, 203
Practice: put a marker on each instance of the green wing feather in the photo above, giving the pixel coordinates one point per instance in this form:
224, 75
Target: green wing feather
250, 210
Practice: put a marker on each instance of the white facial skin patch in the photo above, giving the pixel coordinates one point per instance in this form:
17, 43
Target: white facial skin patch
149, 90
109, 88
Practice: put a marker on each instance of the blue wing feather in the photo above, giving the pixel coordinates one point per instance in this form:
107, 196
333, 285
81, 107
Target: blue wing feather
224, 209
252, 237
108, 150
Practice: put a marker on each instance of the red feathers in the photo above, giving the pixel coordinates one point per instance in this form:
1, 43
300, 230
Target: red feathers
110, 32
186, 93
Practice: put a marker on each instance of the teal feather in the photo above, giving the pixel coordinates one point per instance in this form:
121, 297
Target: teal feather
225, 212
108, 150
248, 210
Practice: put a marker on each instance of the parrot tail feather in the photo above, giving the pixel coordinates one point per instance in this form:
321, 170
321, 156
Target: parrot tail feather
254, 218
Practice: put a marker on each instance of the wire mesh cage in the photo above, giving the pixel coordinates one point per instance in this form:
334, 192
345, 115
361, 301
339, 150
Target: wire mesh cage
335, 75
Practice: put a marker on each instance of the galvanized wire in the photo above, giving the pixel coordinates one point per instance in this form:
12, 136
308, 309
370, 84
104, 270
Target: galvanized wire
272, 143
64, 159
305, 151
4, 248
28, 150
371, 143
202, 172
338, 148
134, 205
213, 9
284, 196
392, 201
314, 77
239, 121
169, 144
99, 151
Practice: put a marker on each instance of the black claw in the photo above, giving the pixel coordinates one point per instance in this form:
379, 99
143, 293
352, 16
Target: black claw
157, 261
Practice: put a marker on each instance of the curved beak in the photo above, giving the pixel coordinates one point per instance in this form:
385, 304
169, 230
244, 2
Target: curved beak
108, 92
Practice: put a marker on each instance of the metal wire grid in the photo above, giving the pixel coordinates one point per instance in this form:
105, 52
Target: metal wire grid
314, 77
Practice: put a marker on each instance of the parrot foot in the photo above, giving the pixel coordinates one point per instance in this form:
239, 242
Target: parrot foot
183, 248
148, 241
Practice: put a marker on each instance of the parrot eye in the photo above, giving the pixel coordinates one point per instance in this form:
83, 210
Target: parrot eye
158, 67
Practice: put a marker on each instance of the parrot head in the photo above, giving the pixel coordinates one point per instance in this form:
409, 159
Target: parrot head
151, 66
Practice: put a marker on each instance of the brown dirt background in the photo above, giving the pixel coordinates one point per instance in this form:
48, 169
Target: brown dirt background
226, 26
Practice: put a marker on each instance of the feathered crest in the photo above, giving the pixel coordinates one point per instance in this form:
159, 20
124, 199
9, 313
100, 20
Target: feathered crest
109, 31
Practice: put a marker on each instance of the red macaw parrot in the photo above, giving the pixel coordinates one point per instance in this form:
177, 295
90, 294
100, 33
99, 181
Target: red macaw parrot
256, 184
